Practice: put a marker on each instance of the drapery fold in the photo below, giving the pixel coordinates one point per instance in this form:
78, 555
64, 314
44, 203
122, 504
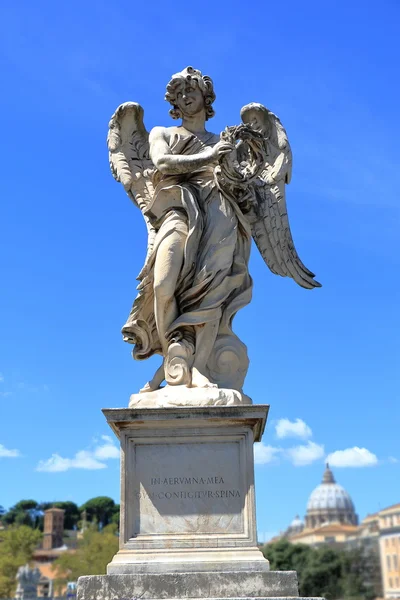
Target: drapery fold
214, 282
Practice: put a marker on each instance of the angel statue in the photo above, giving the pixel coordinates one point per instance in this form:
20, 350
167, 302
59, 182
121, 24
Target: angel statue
203, 197
27, 582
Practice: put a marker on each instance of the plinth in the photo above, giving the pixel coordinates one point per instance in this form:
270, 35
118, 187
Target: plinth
188, 526
187, 497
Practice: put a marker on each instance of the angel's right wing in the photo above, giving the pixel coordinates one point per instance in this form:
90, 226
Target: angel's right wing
128, 146
272, 235
270, 224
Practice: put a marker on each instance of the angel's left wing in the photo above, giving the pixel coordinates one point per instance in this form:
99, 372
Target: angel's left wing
270, 223
128, 146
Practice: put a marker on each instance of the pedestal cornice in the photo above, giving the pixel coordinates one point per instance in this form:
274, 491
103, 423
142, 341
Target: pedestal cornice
254, 416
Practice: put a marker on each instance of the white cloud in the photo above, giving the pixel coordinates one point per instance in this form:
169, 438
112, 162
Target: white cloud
265, 454
285, 428
393, 459
306, 454
84, 459
6, 453
352, 457
1, 377
106, 450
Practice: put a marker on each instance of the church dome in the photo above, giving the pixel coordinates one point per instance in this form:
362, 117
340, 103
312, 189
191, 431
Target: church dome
297, 522
296, 526
329, 503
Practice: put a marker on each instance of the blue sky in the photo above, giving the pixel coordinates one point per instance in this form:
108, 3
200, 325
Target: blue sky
72, 244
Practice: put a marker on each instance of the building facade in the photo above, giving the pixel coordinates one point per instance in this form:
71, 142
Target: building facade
389, 542
52, 548
331, 519
53, 530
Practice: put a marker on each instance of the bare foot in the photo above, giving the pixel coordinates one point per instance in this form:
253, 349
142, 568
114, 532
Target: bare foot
146, 388
155, 383
200, 380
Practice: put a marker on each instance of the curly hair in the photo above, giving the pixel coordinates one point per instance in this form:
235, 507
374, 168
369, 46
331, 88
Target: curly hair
205, 84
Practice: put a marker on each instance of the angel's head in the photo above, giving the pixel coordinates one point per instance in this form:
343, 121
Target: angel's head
190, 92
257, 116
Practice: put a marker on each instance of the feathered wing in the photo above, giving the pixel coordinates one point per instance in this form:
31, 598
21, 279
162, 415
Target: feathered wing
128, 146
270, 225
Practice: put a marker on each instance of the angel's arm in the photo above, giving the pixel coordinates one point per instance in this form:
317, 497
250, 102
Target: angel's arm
171, 164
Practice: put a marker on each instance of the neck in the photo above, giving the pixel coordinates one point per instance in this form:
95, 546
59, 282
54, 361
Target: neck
194, 123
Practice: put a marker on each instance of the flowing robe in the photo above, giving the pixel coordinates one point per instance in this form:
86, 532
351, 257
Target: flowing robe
214, 282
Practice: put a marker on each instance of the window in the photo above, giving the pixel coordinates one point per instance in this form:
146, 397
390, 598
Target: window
388, 563
390, 582
393, 541
397, 582
386, 542
395, 562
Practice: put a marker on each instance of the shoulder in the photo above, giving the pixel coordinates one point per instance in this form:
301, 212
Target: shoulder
158, 133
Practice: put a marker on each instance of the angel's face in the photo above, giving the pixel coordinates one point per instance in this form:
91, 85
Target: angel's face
189, 98
256, 119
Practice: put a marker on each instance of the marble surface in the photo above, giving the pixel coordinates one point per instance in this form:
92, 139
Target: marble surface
180, 395
187, 494
189, 487
203, 197
232, 584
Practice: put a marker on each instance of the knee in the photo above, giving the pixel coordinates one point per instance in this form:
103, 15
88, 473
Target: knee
163, 289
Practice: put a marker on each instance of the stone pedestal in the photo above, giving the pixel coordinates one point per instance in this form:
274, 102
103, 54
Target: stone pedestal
187, 496
188, 527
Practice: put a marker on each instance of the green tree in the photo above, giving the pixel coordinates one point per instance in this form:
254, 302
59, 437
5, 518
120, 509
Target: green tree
362, 572
284, 556
95, 550
323, 575
115, 515
22, 513
100, 509
327, 571
16, 548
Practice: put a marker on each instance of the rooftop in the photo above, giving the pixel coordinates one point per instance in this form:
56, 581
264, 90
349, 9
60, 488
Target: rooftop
392, 508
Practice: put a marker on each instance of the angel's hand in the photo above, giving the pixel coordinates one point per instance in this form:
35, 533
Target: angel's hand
221, 148
268, 177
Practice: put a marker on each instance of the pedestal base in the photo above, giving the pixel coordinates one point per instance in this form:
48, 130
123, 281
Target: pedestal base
232, 584
181, 396
188, 528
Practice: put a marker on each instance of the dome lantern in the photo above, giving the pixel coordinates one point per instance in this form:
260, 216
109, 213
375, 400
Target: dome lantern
328, 475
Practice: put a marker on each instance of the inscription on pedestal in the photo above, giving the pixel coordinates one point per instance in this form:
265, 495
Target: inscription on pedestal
188, 488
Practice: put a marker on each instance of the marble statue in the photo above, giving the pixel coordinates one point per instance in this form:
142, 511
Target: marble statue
27, 582
203, 197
